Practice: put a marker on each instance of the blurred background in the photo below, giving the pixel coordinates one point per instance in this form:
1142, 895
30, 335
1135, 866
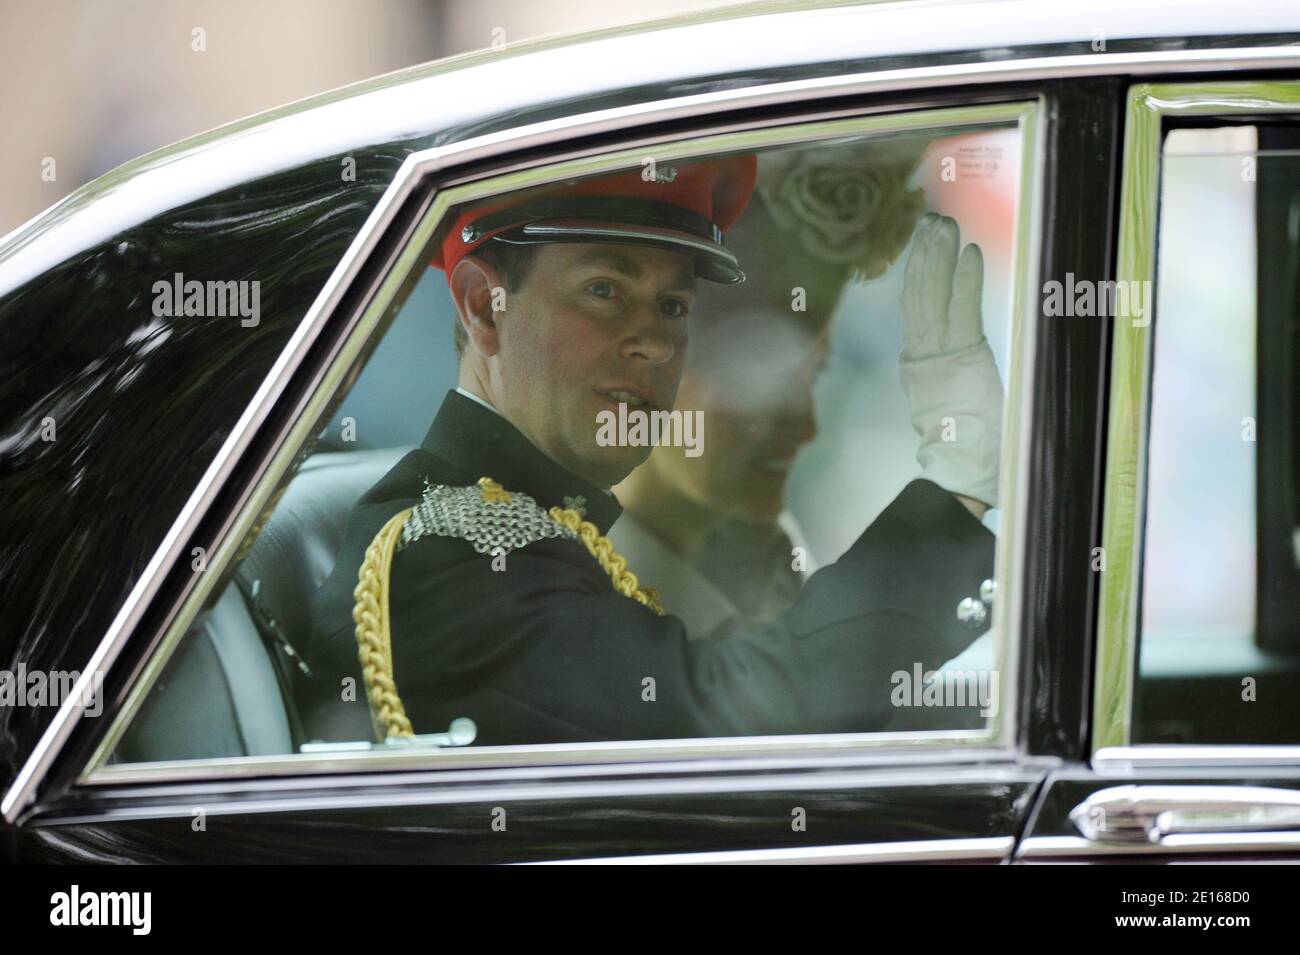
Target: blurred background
92, 84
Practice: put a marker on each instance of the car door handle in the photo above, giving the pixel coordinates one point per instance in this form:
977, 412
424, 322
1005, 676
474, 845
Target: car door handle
1149, 813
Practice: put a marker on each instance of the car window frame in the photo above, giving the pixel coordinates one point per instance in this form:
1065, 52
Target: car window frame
1148, 107
1025, 115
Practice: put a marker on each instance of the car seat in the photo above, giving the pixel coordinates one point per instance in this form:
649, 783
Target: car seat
224, 692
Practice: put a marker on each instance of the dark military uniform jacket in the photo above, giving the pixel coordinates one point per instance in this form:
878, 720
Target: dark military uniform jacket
545, 650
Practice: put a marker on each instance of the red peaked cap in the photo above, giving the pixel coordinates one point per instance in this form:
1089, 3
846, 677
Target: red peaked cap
684, 207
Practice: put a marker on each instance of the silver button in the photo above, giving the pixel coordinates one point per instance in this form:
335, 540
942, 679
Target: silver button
971, 612
988, 590
468, 234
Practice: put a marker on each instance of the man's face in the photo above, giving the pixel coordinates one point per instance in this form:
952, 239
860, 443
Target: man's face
592, 325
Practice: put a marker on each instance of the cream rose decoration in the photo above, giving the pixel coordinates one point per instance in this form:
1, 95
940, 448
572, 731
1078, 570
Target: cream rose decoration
846, 205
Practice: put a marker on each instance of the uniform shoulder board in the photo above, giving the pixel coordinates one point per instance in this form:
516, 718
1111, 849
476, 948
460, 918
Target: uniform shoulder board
492, 519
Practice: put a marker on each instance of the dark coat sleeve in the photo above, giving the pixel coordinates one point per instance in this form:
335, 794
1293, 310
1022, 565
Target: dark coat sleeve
545, 650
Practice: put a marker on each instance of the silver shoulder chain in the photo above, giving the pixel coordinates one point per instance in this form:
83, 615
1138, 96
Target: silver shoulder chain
492, 526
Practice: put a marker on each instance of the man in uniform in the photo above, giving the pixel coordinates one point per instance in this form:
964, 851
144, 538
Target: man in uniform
476, 581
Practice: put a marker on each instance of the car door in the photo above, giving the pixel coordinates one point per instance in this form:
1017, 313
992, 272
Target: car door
952, 785
1195, 725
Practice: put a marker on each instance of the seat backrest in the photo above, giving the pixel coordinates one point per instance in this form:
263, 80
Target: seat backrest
219, 695
298, 546
222, 694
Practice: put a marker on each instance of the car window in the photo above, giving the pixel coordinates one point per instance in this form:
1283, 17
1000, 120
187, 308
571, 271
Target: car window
707, 444
1219, 640
118, 385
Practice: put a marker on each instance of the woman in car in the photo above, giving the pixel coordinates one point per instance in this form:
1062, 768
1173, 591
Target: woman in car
724, 551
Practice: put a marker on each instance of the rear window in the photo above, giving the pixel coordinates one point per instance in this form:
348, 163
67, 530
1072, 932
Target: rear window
121, 373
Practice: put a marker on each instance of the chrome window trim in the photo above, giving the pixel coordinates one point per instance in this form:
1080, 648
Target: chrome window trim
1123, 761
640, 753
1124, 494
990, 763
922, 850
1024, 115
21, 792
432, 786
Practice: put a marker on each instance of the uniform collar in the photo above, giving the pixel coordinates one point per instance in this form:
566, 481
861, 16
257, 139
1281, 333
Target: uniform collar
475, 438
477, 400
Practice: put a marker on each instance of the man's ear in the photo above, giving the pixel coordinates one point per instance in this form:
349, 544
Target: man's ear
475, 287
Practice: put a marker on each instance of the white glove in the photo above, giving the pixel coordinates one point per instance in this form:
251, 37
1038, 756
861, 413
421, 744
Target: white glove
947, 367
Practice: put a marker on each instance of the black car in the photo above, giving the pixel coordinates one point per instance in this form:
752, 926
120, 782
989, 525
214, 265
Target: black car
211, 353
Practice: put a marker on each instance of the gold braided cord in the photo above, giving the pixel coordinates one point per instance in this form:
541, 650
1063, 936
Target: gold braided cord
370, 612
374, 638
601, 548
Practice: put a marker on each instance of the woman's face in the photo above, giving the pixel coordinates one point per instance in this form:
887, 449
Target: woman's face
756, 350
753, 380
758, 412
